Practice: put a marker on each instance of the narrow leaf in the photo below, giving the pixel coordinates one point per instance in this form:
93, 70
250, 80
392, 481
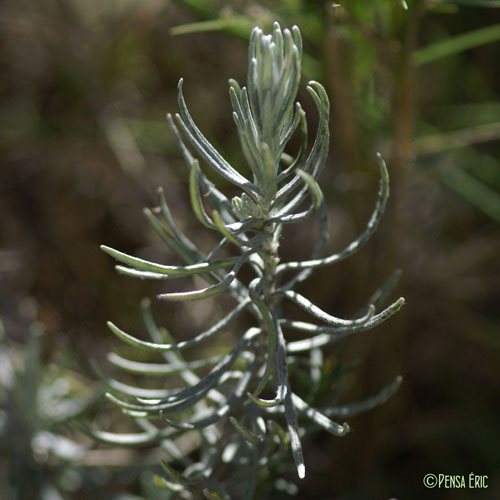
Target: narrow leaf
176, 425
293, 431
314, 310
158, 369
224, 230
213, 495
168, 271
336, 333
457, 44
176, 476
319, 419
203, 293
196, 201
356, 408
361, 240
313, 187
207, 151
167, 485
158, 347
247, 435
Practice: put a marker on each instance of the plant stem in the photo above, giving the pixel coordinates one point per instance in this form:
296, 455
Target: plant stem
270, 258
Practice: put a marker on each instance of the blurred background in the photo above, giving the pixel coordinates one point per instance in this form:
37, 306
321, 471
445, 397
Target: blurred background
84, 90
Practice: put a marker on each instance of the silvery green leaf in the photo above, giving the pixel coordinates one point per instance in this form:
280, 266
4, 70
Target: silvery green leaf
293, 431
194, 192
128, 389
272, 340
192, 394
297, 38
218, 370
316, 253
278, 40
158, 347
247, 435
314, 310
336, 333
167, 485
319, 151
134, 391
246, 130
268, 173
176, 476
266, 117
185, 426
316, 367
301, 116
211, 416
207, 151
158, 369
359, 242
209, 190
353, 409
193, 254
281, 370
160, 335
225, 231
284, 217
313, 187
169, 239
203, 293
273, 79
318, 418
131, 439
167, 271
214, 196
381, 294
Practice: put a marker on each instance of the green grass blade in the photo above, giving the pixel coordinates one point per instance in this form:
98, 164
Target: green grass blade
473, 3
474, 191
457, 44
